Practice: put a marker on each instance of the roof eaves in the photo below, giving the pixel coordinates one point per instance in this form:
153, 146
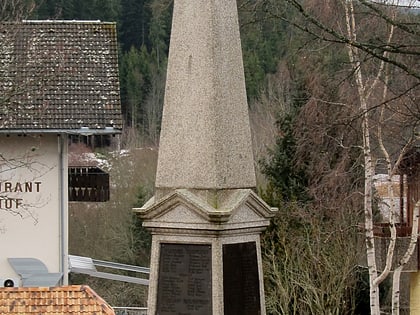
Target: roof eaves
104, 305
84, 131
63, 300
66, 21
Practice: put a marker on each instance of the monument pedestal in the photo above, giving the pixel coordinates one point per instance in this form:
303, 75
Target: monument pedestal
206, 256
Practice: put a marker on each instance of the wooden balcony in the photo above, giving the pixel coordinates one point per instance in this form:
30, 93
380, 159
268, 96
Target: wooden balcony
382, 230
88, 184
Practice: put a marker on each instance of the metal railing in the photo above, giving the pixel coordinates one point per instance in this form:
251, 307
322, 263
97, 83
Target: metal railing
87, 265
130, 310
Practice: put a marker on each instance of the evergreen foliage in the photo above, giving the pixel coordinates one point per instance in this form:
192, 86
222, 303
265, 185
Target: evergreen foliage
134, 24
104, 10
135, 82
263, 45
286, 180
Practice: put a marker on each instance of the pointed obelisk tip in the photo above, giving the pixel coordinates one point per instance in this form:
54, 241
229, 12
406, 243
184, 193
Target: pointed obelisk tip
205, 137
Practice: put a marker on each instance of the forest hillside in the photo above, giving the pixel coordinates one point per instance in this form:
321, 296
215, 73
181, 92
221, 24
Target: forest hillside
333, 90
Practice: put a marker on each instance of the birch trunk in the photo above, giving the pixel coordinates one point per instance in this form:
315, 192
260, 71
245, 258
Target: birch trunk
368, 163
396, 279
369, 170
404, 260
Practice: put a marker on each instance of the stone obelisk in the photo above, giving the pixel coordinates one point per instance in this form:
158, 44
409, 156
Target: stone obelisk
205, 217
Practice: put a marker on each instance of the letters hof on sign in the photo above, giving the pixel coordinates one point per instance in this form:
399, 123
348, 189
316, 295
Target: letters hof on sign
11, 193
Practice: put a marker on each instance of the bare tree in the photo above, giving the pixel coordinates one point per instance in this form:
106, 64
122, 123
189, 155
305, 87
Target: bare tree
375, 100
12, 12
154, 106
366, 86
15, 10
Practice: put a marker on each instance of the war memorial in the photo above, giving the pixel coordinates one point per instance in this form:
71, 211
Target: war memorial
205, 217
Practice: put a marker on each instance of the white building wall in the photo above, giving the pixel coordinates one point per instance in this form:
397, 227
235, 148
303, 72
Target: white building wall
33, 201
386, 203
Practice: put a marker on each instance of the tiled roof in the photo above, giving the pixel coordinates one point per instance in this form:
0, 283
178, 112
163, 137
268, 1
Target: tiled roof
53, 301
59, 75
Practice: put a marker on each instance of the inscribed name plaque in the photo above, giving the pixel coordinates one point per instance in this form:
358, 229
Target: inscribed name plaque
241, 286
184, 280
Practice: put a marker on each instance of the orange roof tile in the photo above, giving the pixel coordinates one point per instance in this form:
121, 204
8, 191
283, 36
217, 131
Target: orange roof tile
76, 299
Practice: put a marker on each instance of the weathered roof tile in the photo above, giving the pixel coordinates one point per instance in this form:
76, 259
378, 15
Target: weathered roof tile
76, 299
59, 75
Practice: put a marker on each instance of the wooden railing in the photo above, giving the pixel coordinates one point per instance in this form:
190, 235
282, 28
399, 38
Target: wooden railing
382, 230
88, 184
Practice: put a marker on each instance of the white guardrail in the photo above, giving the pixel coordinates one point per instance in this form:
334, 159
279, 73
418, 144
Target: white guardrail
130, 310
87, 265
